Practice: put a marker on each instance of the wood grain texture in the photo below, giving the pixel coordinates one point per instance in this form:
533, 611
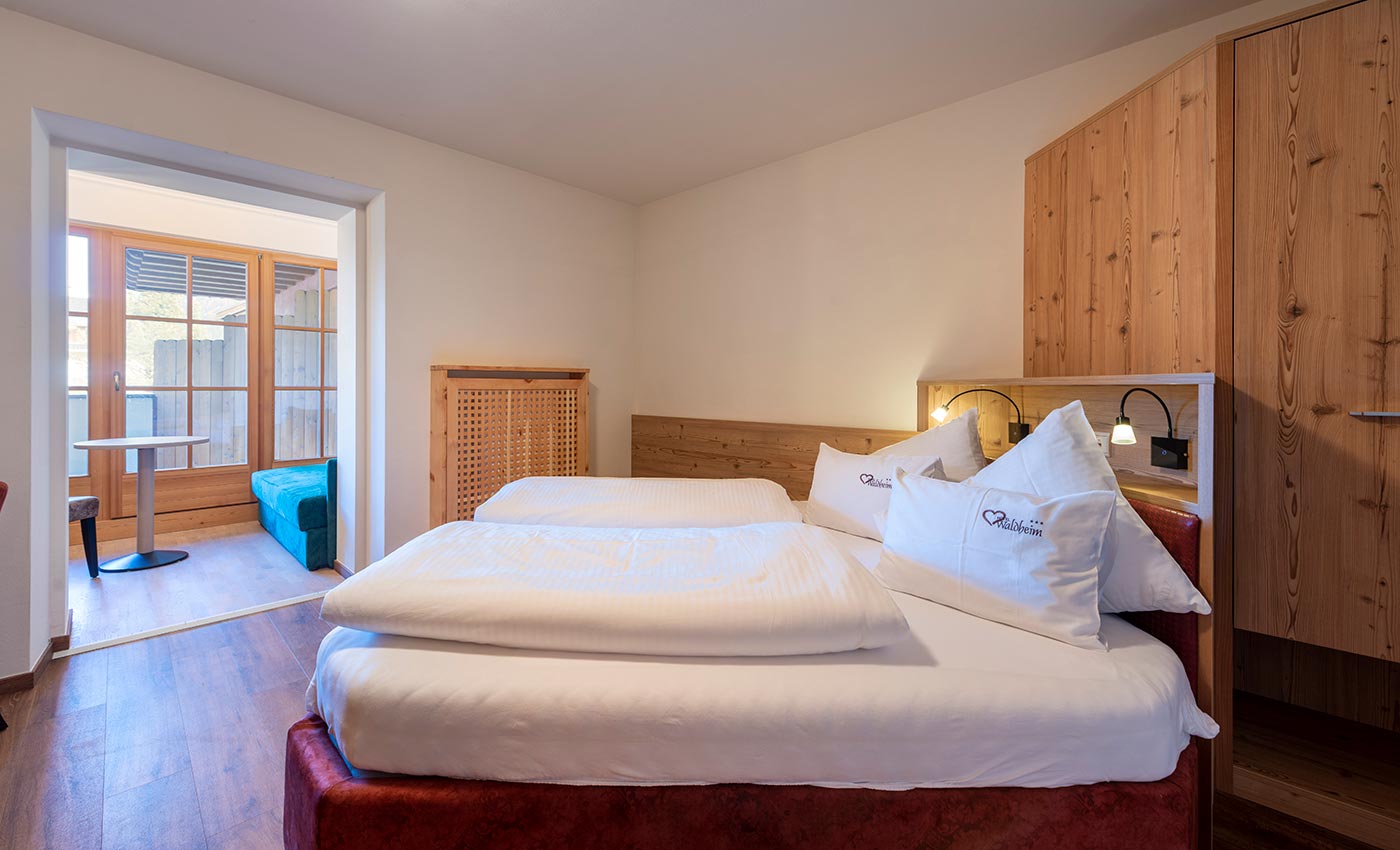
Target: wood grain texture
1120, 223
1317, 330
1339, 775
492, 426
174, 742
230, 568
1243, 825
673, 447
1342, 684
124, 528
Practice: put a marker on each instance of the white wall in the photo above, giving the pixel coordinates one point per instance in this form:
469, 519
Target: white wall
818, 289
100, 199
483, 263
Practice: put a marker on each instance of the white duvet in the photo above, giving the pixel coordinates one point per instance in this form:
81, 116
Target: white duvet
756, 590
639, 502
961, 703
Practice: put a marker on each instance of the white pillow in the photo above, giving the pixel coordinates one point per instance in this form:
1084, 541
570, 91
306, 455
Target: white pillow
1003, 556
1062, 457
848, 491
956, 442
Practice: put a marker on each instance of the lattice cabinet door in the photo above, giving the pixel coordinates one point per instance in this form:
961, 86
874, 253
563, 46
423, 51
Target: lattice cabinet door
494, 425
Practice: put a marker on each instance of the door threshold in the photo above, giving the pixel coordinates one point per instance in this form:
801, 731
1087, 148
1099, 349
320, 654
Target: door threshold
191, 624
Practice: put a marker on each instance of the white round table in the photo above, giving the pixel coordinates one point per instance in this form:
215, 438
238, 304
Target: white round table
146, 555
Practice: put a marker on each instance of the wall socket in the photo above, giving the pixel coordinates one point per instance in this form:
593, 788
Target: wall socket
1102, 437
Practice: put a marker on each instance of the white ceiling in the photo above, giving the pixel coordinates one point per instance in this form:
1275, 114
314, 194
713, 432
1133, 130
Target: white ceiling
633, 99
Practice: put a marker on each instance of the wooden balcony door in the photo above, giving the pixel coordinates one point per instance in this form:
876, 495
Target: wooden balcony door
183, 360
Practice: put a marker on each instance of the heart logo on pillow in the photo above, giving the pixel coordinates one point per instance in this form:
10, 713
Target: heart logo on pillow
994, 518
867, 478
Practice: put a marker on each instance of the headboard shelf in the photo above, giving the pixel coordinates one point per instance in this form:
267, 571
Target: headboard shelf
1190, 398
1168, 494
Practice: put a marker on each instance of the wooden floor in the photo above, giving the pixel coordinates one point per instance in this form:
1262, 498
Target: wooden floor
177, 742
230, 567
172, 742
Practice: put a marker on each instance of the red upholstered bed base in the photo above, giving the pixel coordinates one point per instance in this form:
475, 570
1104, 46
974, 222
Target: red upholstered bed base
327, 808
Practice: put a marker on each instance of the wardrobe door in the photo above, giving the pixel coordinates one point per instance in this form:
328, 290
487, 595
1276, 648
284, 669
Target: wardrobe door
1317, 331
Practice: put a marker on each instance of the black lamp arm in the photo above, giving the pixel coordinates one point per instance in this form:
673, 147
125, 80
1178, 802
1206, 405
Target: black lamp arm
1123, 404
1014, 405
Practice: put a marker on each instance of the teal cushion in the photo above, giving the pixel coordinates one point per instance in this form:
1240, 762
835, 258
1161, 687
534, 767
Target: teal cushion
297, 493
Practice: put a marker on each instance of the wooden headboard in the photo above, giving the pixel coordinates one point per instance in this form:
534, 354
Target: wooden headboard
671, 447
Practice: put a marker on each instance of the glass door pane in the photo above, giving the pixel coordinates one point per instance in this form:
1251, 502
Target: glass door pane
79, 266
297, 424
156, 284
305, 303
297, 298
79, 259
186, 338
158, 413
222, 416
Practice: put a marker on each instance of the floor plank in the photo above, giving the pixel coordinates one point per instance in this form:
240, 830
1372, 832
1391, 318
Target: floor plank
237, 773
51, 796
231, 567
146, 733
159, 815
263, 832
302, 628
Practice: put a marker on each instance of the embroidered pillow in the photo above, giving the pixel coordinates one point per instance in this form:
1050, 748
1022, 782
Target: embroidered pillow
956, 443
1008, 557
849, 491
1062, 457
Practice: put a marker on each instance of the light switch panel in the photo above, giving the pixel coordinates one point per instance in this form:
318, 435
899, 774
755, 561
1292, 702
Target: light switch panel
1102, 437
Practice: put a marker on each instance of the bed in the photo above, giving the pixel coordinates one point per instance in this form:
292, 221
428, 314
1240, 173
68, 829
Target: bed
330, 806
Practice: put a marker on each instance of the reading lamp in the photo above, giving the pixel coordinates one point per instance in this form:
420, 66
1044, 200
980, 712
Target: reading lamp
1167, 452
1015, 431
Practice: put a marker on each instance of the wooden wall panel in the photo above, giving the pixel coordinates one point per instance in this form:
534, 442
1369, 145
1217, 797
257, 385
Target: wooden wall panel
1317, 331
1043, 252
671, 447
1120, 235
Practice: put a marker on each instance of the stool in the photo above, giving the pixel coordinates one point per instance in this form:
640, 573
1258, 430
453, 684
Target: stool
83, 510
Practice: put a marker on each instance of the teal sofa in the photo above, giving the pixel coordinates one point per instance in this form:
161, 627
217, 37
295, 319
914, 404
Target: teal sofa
296, 504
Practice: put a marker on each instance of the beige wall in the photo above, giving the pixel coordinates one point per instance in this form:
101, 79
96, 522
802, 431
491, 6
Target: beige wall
819, 288
482, 263
99, 199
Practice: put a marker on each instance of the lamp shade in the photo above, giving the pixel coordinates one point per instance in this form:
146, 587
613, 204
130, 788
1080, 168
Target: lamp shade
1123, 432
940, 413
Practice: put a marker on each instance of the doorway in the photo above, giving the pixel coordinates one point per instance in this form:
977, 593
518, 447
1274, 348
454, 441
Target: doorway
193, 315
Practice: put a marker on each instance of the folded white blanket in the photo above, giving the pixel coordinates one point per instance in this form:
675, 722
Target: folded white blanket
771, 589
639, 502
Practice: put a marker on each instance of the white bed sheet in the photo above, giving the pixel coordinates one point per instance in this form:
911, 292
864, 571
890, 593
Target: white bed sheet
961, 703
638, 502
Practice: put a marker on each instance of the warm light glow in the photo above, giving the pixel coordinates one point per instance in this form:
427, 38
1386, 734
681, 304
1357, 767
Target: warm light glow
1123, 434
940, 413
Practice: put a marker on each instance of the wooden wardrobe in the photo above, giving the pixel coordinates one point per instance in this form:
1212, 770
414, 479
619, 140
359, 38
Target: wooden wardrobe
1237, 214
